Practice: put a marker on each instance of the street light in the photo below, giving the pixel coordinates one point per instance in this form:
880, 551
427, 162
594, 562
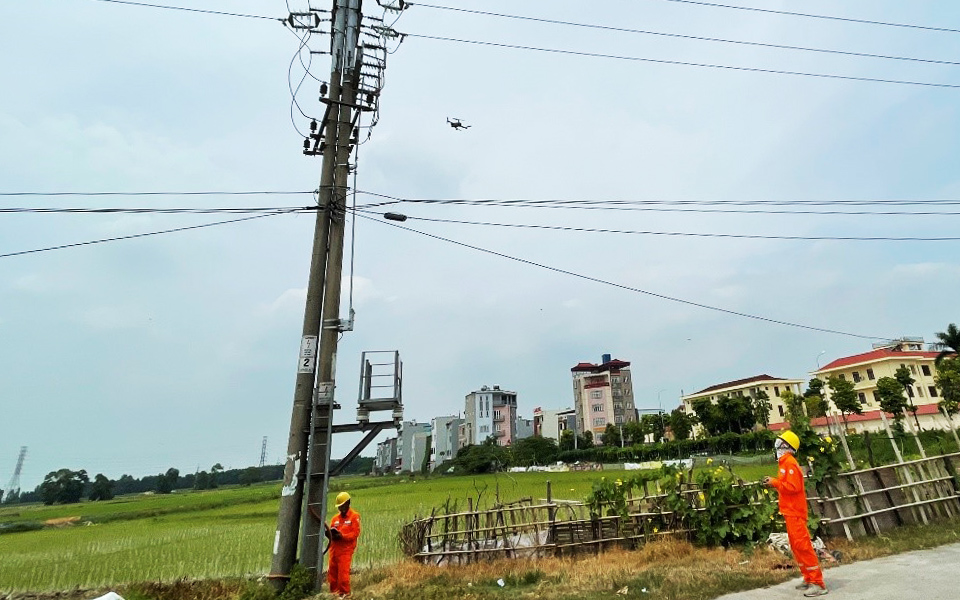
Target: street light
822, 352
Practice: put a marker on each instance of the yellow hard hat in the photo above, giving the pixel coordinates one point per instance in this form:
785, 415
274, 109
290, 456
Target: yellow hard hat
791, 439
344, 497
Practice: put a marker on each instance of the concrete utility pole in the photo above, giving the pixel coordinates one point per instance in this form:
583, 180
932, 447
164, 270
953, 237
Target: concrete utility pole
314, 410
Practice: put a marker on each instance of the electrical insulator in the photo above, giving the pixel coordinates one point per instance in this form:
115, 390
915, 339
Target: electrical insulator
313, 125
323, 89
306, 143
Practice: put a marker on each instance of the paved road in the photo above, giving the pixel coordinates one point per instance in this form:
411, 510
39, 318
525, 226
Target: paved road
925, 574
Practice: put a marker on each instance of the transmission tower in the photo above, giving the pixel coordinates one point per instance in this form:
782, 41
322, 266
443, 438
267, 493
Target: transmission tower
263, 452
14, 486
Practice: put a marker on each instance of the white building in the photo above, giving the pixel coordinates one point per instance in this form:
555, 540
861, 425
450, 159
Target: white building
446, 438
406, 446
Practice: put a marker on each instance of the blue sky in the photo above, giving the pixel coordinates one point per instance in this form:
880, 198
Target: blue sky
179, 350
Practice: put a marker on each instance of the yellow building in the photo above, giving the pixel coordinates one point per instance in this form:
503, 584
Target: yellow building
750, 388
883, 361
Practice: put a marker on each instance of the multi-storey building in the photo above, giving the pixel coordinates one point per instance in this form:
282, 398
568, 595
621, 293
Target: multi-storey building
446, 439
489, 412
750, 388
386, 459
602, 394
408, 458
552, 423
863, 370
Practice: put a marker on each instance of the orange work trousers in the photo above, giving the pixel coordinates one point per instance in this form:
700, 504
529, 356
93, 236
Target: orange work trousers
803, 551
338, 571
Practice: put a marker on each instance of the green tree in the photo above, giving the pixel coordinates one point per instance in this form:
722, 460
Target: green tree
905, 379
948, 381
796, 415
586, 440
844, 398
814, 388
201, 481
815, 406
215, 471
708, 415
167, 481
892, 401
567, 437
610, 435
654, 425
762, 407
249, 476
736, 413
681, 424
633, 433
534, 450
949, 343
487, 457
63, 486
101, 488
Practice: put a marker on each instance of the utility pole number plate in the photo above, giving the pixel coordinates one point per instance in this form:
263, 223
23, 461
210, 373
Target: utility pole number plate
308, 354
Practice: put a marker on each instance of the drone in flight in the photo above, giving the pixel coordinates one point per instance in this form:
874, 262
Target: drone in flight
457, 124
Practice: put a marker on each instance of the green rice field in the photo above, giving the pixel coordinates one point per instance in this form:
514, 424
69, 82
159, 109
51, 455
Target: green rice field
229, 532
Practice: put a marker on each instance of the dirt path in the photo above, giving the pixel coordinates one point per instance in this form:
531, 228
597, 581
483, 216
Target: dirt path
926, 574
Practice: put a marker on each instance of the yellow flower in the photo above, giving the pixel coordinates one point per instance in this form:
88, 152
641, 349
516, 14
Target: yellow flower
619, 482
822, 449
828, 440
812, 459
656, 529
709, 461
701, 496
766, 492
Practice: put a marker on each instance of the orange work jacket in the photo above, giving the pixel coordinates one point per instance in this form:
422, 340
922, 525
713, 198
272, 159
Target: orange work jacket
349, 528
789, 485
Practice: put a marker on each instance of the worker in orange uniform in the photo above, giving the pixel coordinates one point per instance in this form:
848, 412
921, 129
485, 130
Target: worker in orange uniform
343, 531
793, 507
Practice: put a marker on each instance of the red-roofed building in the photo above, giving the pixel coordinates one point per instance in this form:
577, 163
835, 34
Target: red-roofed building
602, 394
865, 369
750, 387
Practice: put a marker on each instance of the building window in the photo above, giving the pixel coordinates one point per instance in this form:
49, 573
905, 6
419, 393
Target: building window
499, 427
615, 379
933, 391
618, 419
780, 408
496, 414
598, 408
925, 369
920, 391
842, 376
862, 397
910, 391
776, 391
617, 406
599, 421
913, 369
629, 405
596, 395
870, 374
876, 398
856, 376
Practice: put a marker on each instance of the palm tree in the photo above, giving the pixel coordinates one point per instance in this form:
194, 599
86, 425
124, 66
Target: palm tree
949, 342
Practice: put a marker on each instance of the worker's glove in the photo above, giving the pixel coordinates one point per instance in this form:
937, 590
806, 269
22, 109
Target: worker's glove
336, 533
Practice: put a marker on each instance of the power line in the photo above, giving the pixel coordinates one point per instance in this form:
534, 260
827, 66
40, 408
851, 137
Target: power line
196, 10
168, 211
680, 62
168, 193
683, 234
682, 36
140, 235
628, 288
656, 205
813, 16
